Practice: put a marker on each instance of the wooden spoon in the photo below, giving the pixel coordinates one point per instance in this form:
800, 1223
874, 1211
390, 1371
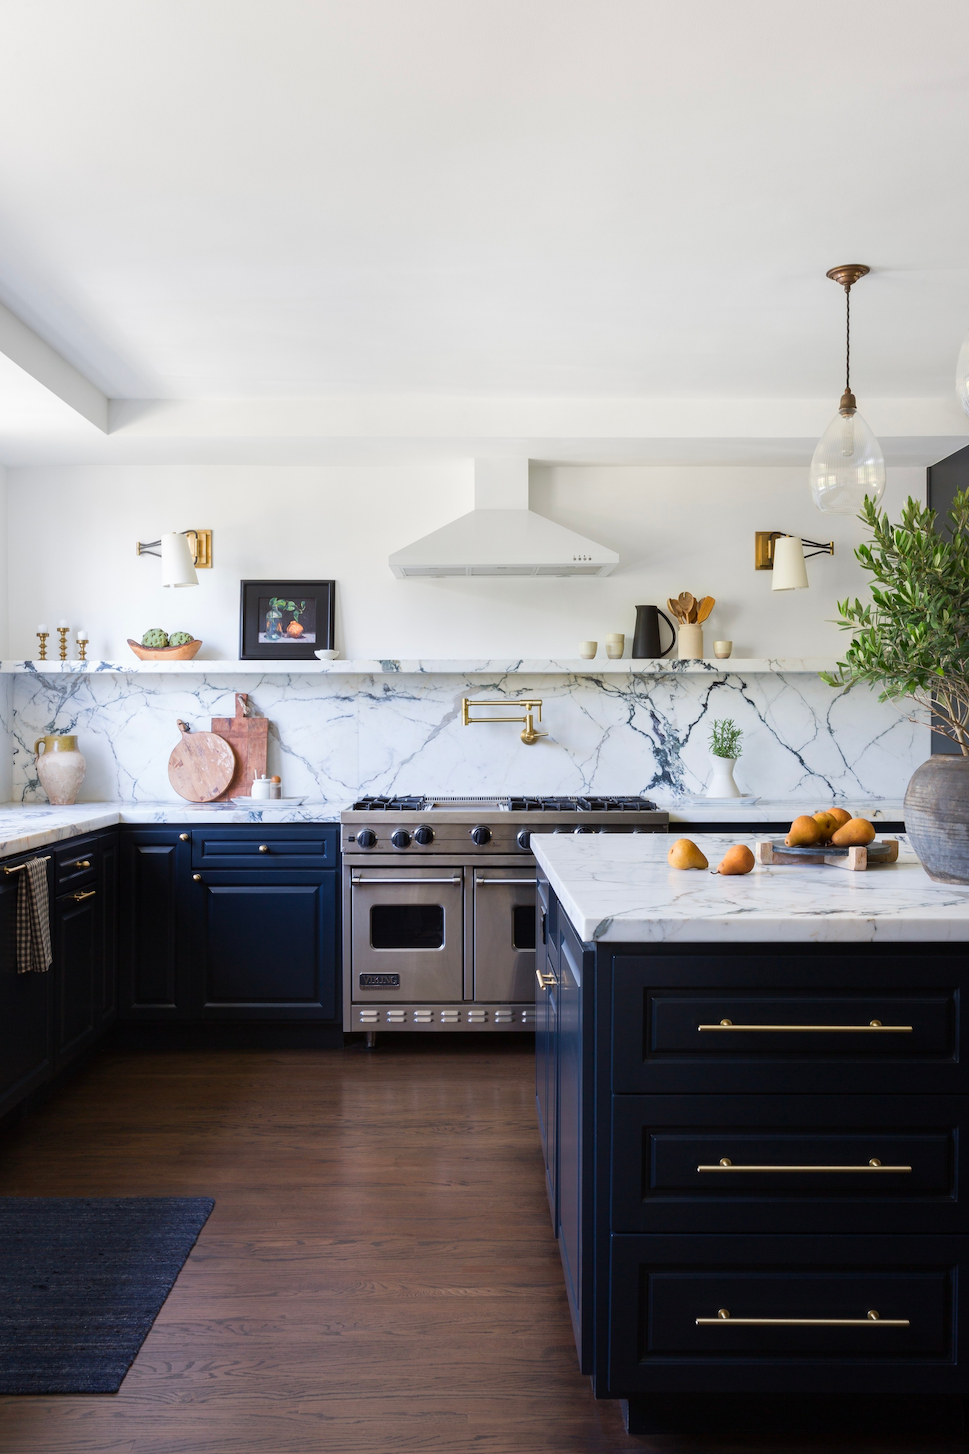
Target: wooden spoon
704, 609
675, 609
685, 601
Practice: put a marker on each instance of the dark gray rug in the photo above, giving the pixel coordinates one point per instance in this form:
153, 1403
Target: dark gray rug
82, 1279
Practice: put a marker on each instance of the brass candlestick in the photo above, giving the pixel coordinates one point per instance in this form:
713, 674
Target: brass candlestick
62, 633
42, 637
81, 648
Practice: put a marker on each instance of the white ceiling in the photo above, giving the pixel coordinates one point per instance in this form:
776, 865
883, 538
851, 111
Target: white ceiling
271, 199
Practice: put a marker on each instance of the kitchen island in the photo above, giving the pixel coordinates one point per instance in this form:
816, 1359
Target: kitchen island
750, 1092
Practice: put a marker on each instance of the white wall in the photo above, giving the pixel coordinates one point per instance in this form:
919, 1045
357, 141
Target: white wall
72, 534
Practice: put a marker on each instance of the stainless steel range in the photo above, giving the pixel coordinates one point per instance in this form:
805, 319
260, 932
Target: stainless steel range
439, 905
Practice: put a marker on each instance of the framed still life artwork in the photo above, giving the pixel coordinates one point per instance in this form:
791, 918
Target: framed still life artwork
285, 620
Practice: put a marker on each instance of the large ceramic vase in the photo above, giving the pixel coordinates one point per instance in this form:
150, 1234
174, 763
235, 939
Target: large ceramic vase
937, 818
60, 768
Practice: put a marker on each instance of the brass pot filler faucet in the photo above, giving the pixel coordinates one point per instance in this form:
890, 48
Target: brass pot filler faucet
530, 705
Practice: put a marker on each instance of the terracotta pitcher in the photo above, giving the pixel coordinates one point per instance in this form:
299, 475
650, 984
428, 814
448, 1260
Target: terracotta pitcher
60, 767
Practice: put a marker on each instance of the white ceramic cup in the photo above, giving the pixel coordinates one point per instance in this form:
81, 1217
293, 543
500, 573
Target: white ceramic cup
588, 649
722, 649
616, 636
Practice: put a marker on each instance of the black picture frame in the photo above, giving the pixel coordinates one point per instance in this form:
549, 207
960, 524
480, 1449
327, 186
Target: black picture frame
264, 609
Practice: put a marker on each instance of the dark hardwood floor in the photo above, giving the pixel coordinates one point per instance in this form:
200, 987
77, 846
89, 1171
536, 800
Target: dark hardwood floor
378, 1273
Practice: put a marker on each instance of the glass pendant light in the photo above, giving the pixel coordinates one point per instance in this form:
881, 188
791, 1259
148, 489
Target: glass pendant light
848, 462
962, 374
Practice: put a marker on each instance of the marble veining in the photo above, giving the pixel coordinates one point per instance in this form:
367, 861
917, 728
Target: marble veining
336, 735
616, 889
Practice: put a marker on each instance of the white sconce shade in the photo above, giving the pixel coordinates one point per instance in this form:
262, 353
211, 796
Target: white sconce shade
790, 572
848, 465
177, 566
962, 374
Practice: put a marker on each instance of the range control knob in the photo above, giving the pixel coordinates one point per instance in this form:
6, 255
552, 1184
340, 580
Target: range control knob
423, 836
583, 830
400, 839
481, 836
524, 839
366, 838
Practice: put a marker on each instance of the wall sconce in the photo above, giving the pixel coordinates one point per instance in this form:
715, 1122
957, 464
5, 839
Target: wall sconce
182, 553
785, 556
529, 734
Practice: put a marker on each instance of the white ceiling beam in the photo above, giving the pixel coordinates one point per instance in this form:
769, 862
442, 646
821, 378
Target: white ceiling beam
23, 347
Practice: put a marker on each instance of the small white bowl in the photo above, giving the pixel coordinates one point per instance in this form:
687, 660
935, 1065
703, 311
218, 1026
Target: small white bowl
326, 654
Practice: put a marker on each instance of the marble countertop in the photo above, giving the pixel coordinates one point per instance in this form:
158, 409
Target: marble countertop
26, 826
774, 810
617, 888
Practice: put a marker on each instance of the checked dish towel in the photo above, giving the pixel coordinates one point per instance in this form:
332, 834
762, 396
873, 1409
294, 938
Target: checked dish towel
33, 919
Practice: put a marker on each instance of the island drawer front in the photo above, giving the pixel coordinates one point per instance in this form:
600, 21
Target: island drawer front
286, 846
661, 1285
679, 1024
661, 1142
76, 864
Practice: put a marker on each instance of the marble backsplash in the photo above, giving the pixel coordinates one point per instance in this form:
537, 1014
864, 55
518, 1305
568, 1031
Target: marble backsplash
335, 737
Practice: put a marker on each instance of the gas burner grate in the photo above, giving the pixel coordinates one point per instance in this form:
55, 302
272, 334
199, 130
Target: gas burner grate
581, 805
389, 805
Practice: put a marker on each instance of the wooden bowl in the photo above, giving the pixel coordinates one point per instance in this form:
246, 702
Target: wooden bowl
165, 653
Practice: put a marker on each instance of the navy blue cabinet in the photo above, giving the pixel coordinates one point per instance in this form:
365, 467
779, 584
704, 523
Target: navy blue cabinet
76, 939
26, 1043
264, 944
239, 923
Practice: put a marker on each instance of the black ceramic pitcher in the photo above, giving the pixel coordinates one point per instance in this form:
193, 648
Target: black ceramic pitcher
646, 638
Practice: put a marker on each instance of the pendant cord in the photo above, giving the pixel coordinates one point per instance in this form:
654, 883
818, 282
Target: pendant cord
847, 340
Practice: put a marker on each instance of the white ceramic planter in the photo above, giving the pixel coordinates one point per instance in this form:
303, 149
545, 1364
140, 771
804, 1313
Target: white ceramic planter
721, 784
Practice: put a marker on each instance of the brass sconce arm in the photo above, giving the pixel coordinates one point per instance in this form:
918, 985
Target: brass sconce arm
199, 541
764, 548
532, 708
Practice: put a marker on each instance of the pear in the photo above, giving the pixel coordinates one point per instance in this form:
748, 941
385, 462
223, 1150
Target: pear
685, 854
839, 815
829, 824
854, 834
738, 859
805, 833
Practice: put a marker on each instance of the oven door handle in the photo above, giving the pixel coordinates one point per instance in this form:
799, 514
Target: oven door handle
412, 881
480, 881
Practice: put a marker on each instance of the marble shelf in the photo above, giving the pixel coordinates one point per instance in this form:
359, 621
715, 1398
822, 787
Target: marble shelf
430, 666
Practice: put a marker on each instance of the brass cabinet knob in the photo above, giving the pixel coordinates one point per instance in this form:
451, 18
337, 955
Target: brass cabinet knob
264, 848
197, 877
184, 837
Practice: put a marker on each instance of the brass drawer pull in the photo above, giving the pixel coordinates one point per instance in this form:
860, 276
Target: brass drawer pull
21, 866
874, 1164
873, 1027
83, 894
873, 1320
82, 863
545, 980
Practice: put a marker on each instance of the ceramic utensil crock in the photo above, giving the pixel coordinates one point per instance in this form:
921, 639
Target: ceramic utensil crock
689, 642
60, 767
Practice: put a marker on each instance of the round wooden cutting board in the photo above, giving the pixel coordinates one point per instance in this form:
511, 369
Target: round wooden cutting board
201, 766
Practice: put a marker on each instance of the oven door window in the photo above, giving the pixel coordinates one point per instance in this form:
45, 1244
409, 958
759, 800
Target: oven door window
407, 926
523, 926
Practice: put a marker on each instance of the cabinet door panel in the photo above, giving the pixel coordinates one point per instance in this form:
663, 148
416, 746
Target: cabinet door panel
25, 1032
77, 972
266, 945
817, 1293
668, 1173
155, 875
110, 851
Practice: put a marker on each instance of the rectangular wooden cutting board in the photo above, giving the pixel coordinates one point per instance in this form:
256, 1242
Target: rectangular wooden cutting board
249, 740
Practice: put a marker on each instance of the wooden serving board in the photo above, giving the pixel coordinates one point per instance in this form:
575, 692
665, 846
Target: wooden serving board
249, 739
855, 859
201, 765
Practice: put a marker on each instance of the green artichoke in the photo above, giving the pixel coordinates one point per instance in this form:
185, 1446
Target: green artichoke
180, 638
156, 637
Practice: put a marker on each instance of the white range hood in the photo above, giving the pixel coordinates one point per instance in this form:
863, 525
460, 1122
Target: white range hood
502, 537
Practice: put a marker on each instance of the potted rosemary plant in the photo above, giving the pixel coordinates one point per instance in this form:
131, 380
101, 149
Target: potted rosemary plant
912, 641
725, 740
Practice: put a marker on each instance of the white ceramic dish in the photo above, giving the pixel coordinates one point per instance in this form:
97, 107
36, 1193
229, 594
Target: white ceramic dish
326, 654
268, 802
